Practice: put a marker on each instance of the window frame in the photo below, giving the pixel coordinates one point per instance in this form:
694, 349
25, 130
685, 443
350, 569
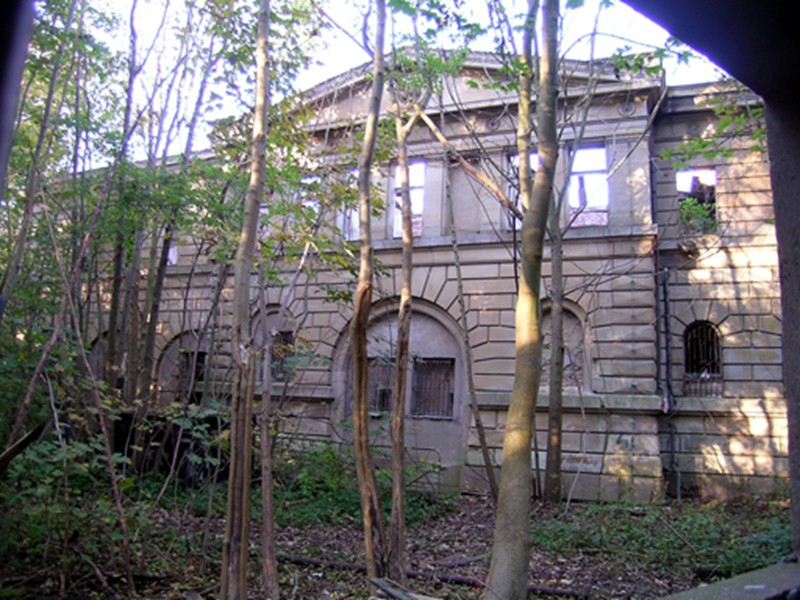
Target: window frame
416, 385
587, 211
416, 191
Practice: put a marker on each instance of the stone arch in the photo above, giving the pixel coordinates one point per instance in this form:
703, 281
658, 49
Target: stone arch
437, 359
440, 333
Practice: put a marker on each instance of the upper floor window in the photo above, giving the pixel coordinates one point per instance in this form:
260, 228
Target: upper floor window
702, 364
588, 188
697, 199
416, 188
513, 192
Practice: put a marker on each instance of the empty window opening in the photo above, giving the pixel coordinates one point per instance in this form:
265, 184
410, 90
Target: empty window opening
588, 189
697, 198
702, 360
433, 387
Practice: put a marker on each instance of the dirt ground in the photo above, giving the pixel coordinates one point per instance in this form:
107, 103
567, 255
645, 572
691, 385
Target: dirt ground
453, 546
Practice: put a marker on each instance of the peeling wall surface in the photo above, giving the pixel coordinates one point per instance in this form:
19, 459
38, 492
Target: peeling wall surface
673, 379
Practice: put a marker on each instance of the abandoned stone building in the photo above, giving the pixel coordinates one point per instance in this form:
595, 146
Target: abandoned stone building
672, 325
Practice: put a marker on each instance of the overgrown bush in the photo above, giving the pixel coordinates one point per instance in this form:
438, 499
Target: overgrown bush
318, 485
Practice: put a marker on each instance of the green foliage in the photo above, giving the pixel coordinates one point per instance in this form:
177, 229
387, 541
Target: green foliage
739, 116
57, 496
696, 216
683, 537
318, 485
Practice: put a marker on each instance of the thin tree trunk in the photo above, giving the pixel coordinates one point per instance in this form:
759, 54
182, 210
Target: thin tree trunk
396, 557
552, 483
374, 538
508, 572
473, 397
236, 543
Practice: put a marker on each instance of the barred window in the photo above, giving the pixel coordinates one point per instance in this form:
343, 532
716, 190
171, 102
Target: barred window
433, 387
702, 360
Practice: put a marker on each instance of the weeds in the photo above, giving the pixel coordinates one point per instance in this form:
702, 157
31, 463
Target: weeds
706, 540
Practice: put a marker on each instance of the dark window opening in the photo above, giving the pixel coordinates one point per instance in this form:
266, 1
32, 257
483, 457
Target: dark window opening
381, 385
702, 360
433, 387
191, 375
280, 356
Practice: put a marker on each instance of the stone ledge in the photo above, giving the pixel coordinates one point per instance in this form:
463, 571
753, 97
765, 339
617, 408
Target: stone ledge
594, 403
739, 407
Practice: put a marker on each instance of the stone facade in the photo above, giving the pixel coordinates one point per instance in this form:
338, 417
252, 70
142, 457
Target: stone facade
644, 295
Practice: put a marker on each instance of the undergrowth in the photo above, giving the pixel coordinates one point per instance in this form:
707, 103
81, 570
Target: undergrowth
707, 541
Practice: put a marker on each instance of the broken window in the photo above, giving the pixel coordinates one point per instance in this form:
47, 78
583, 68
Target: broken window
588, 189
697, 199
433, 387
416, 189
702, 364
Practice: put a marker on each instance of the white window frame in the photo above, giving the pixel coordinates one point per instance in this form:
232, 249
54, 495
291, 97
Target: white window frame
588, 195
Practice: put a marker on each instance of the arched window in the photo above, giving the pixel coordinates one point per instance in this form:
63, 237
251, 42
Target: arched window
432, 385
182, 369
574, 373
702, 360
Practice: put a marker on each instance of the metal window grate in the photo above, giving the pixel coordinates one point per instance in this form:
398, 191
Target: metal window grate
702, 360
433, 387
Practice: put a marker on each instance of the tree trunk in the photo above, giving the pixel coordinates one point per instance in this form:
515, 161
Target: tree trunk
508, 572
552, 477
473, 397
783, 132
236, 542
374, 538
397, 570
